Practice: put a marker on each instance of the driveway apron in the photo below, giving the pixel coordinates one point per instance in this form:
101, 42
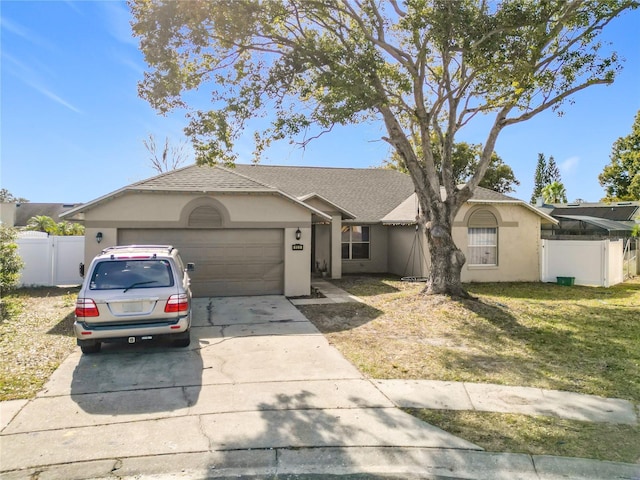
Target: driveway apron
258, 375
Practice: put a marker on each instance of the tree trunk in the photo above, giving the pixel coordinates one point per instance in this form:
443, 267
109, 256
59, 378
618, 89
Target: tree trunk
446, 263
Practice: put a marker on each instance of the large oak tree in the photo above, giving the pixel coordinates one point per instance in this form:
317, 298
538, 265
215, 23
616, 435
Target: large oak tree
424, 68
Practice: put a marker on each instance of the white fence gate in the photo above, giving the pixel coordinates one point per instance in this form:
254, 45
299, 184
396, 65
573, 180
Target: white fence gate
51, 260
590, 262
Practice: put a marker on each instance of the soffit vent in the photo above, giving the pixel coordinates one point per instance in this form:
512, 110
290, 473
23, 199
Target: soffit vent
205, 217
483, 219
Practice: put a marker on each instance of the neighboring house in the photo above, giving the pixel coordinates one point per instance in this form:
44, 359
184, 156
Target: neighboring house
598, 220
259, 229
18, 214
7, 214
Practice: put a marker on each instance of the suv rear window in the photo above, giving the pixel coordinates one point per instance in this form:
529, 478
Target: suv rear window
118, 274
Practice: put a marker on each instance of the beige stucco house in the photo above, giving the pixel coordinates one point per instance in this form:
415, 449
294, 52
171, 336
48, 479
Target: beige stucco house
259, 229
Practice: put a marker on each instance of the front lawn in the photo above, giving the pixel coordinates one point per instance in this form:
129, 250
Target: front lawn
576, 339
35, 337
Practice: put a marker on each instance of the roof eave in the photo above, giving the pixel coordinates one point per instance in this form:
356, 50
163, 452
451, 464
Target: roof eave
529, 207
346, 214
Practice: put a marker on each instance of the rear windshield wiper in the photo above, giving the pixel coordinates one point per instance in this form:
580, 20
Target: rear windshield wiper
138, 284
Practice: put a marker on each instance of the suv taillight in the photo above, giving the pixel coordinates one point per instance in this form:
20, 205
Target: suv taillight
85, 307
177, 303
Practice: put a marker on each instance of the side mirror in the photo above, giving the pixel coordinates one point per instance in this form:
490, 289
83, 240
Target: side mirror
191, 267
81, 269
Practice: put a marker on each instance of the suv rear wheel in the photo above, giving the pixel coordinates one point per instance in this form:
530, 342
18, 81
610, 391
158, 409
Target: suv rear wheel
90, 347
183, 341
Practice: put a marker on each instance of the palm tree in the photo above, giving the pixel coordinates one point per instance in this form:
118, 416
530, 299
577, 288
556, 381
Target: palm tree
554, 193
76, 229
42, 223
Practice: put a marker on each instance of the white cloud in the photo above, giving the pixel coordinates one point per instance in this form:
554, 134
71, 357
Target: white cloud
27, 75
49, 94
118, 16
569, 165
14, 28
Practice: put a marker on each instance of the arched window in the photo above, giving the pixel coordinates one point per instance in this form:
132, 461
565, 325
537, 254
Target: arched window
205, 216
483, 238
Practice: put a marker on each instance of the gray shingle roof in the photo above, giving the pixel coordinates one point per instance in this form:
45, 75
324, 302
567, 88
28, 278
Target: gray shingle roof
24, 211
484, 194
368, 193
197, 178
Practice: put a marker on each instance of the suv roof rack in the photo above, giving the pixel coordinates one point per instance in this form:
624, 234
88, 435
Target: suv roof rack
168, 248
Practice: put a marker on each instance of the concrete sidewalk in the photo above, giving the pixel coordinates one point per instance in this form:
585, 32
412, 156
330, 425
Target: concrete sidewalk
438, 395
259, 393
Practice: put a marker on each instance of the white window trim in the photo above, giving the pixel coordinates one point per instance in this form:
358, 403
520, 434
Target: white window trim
495, 246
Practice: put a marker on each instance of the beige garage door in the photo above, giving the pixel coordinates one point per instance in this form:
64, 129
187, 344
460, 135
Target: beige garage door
228, 262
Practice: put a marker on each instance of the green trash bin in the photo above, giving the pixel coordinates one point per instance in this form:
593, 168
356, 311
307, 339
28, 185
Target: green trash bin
566, 281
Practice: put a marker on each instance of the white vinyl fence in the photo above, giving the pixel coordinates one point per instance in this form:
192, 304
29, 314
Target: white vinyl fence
50, 261
590, 262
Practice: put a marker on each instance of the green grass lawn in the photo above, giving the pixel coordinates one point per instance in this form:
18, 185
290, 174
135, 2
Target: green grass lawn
576, 339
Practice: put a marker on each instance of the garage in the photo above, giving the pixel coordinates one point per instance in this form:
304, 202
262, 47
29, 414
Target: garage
229, 262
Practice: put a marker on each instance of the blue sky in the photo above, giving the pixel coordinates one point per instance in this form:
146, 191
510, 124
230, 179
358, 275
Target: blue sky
72, 125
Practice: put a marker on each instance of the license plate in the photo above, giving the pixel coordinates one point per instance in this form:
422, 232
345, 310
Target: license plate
132, 307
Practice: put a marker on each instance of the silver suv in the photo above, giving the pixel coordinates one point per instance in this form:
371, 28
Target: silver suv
134, 293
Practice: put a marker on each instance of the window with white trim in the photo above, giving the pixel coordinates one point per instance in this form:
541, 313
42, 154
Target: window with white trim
355, 242
482, 247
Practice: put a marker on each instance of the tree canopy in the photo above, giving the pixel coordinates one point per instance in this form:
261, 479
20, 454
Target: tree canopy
7, 197
554, 192
547, 173
499, 176
422, 68
621, 178
43, 223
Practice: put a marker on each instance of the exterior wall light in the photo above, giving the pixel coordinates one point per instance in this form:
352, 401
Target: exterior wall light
298, 234
99, 237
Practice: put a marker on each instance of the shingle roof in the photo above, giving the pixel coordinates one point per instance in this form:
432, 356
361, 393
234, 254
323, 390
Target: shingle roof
484, 194
199, 178
24, 211
368, 193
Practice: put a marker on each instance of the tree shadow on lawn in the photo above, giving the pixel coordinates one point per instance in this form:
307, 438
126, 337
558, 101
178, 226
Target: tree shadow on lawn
339, 317
367, 285
589, 350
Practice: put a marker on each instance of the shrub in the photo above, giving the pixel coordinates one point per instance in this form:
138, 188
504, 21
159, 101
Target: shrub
10, 261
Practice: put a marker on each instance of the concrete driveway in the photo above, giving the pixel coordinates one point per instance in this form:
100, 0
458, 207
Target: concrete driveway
259, 390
